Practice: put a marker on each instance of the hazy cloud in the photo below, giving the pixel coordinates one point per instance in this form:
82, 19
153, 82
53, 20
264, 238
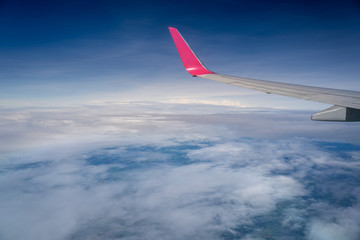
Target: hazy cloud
174, 172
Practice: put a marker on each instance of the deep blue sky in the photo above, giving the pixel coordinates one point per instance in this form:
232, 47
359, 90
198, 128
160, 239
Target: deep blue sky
57, 49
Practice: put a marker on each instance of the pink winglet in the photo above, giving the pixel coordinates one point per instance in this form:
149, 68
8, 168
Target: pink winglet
191, 62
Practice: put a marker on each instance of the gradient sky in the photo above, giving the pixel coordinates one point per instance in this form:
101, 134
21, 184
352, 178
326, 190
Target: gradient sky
59, 52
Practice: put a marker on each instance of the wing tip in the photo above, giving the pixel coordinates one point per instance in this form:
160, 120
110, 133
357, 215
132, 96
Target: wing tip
191, 63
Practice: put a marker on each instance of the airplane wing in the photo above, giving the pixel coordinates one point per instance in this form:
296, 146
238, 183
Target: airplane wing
346, 103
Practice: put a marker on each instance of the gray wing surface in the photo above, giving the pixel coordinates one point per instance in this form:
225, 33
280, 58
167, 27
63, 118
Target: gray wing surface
346, 103
339, 97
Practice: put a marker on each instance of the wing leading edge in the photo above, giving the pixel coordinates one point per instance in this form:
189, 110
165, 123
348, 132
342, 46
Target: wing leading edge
346, 103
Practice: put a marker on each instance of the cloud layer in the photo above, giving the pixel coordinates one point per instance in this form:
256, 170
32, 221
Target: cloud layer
119, 172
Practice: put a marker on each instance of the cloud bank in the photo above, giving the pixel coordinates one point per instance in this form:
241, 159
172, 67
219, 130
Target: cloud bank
173, 172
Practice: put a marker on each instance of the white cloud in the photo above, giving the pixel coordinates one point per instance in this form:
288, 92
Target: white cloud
179, 200
32, 126
337, 222
347, 229
146, 183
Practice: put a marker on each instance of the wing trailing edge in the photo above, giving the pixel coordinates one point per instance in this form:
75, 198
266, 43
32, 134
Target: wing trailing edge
338, 114
346, 103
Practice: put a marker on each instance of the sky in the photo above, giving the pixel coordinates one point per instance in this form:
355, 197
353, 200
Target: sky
73, 52
104, 135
